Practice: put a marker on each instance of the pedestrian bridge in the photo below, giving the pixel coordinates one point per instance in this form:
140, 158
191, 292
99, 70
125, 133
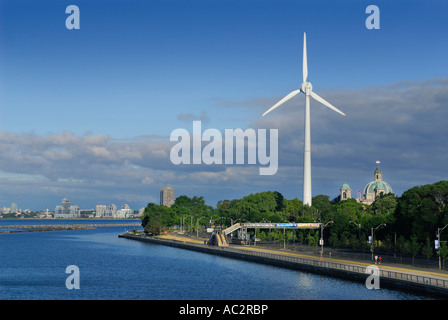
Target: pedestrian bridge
260, 225
219, 238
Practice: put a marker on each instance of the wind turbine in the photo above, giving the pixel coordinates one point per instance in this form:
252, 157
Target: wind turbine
307, 89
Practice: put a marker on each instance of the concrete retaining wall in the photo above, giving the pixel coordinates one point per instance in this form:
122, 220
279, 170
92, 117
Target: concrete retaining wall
396, 280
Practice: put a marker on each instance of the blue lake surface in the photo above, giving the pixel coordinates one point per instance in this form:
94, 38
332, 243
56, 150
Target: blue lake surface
33, 267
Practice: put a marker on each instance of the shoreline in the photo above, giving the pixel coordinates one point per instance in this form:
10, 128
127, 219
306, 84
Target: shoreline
401, 279
59, 227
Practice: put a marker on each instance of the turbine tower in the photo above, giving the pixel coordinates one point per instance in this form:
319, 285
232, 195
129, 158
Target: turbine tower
307, 89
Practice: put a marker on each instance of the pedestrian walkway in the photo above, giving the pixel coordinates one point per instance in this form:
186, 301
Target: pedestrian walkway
442, 274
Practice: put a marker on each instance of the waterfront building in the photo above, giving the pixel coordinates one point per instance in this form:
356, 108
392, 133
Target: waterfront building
167, 196
65, 206
66, 210
140, 212
13, 208
111, 210
74, 211
124, 213
58, 211
100, 210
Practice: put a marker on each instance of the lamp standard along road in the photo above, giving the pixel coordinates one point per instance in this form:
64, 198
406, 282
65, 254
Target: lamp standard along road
373, 230
322, 227
359, 232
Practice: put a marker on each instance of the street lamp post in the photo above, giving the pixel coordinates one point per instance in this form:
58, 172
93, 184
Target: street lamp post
373, 230
359, 232
322, 227
197, 229
439, 231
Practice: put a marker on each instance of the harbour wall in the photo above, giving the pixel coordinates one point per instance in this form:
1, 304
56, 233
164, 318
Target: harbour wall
58, 227
398, 280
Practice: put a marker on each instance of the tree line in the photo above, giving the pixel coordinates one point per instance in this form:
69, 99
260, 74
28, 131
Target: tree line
407, 224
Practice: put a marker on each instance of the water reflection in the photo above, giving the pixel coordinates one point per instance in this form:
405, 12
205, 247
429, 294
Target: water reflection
33, 267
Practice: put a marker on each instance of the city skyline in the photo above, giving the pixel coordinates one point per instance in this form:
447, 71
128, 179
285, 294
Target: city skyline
87, 114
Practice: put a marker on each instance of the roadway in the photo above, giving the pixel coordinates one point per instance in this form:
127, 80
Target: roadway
442, 274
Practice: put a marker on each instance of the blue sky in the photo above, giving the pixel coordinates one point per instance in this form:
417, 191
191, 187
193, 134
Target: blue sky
136, 70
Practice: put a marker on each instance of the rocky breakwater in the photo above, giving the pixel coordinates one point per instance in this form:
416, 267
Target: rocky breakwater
57, 227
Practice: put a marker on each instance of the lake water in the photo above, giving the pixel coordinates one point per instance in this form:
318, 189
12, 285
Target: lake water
33, 267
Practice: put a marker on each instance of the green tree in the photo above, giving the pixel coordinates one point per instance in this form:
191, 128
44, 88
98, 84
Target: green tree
421, 209
155, 218
427, 250
401, 245
333, 240
341, 214
188, 210
443, 251
322, 204
414, 247
292, 209
258, 207
385, 204
313, 238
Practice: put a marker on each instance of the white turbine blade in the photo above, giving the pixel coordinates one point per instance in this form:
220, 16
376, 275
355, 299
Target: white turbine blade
326, 103
289, 96
305, 62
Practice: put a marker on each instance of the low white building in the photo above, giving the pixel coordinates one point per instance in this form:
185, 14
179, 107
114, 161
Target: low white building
124, 214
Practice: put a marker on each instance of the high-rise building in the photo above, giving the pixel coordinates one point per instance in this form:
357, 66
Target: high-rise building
100, 210
167, 196
58, 211
111, 210
75, 212
13, 208
66, 210
65, 206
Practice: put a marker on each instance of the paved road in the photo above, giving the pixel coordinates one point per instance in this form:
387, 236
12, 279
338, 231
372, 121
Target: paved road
442, 274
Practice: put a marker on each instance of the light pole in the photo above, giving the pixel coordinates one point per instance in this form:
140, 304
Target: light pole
373, 230
439, 231
197, 229
322, 227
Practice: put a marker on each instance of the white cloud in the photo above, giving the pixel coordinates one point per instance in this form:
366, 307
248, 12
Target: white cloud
403, 125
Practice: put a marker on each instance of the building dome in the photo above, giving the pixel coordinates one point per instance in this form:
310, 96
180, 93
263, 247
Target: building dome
377, 187
345, 186
346, 192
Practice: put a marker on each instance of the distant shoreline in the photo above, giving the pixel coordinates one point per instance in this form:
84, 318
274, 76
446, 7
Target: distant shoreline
59, 227
102, 219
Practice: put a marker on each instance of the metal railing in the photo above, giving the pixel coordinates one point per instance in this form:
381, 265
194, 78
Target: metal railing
385, 273
414, 278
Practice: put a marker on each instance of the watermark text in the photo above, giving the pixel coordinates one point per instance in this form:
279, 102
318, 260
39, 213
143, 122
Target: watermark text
228, 150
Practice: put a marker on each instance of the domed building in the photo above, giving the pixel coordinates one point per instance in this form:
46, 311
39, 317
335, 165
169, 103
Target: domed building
376, 187
346, 192
372, 190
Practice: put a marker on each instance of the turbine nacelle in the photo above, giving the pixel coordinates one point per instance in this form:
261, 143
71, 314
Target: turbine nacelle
306, 87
